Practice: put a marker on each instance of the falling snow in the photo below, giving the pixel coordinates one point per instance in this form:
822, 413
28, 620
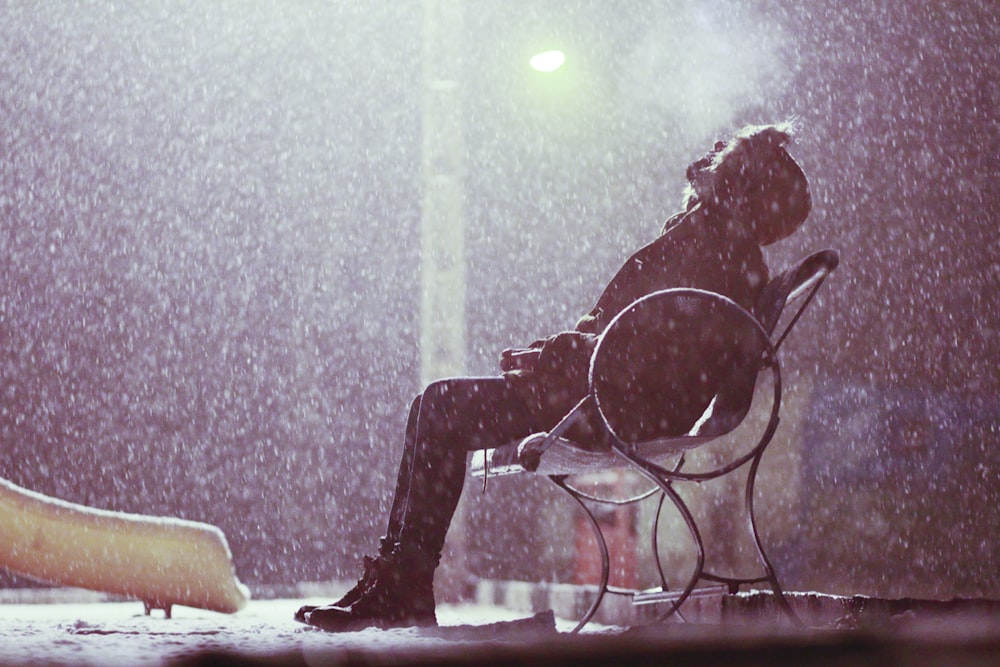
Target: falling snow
209, 270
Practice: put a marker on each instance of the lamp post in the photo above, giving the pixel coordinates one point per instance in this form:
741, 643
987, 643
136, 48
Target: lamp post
442, 317
442, 231
442, 236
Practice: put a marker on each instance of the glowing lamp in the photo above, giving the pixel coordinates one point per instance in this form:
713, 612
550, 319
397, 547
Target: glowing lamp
547, 61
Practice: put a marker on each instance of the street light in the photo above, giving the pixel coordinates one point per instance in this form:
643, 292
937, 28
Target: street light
547, 61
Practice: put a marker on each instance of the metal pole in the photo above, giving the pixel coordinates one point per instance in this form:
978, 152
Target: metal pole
442, 323
442, 232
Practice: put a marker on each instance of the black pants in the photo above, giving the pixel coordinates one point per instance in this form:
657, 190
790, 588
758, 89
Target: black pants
449, 419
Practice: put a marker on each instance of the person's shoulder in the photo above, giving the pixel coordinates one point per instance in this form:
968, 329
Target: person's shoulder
674, 220
691, 231
677, 226
688, 226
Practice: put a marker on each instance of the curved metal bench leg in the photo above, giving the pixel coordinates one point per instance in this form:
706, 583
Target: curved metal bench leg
605, 557
655, 541
655, 546
699, 546
771, 577
653, 473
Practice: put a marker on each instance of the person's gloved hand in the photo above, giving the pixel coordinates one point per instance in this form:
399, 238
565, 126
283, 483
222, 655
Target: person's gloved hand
519, 359
566, 349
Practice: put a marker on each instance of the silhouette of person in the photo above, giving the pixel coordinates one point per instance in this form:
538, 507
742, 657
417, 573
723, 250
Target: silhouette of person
747, 192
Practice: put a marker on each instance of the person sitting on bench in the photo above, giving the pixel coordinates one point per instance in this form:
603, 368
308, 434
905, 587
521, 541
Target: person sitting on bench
747, 192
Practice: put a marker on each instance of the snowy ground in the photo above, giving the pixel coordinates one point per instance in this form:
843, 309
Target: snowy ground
120, 633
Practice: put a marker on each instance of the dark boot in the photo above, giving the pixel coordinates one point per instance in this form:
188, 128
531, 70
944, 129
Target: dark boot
368, 578
402, 595
371, 569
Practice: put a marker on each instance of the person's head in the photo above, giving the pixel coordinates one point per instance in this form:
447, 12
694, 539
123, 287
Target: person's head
753, 178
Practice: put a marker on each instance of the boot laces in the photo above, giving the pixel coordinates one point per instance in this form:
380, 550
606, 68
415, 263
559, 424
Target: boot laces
372, 567
370, 575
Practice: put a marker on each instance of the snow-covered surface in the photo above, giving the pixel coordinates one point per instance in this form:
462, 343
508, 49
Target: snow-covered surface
120, 633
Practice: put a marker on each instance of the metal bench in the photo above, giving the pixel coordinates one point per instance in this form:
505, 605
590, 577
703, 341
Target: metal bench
629, 378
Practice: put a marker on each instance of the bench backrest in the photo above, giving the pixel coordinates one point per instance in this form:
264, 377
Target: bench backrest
800, 281
693, 357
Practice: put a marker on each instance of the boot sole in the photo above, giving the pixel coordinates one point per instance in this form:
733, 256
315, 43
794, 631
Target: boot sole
344, 622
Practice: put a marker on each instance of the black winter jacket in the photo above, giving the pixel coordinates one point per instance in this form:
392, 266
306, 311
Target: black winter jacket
697, 249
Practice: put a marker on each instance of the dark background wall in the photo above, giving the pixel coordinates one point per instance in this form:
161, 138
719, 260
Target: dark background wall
209, 273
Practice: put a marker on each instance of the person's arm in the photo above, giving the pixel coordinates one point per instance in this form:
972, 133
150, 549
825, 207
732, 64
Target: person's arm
649, 268
519, 359
645, 268
565, 348
549, 353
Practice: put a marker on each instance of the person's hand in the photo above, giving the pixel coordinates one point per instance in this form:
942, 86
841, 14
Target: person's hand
518, 359
568, 347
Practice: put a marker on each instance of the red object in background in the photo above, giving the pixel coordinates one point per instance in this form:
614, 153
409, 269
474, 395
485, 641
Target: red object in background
618, 524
